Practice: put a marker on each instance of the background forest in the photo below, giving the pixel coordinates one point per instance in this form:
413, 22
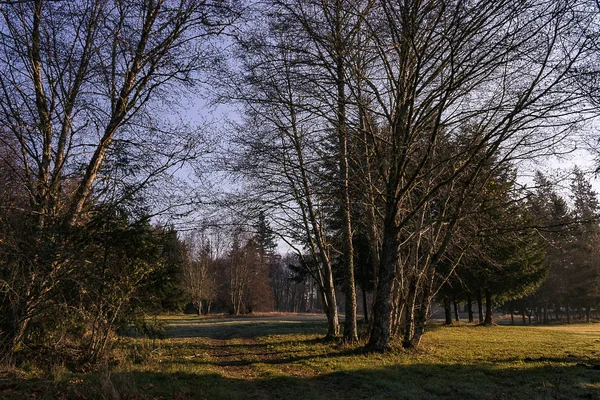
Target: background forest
374, 159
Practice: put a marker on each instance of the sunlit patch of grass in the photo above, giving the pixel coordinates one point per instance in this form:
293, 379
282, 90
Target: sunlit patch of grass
285, 358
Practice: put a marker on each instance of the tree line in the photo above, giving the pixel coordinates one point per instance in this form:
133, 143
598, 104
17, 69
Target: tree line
549, 274
240, 272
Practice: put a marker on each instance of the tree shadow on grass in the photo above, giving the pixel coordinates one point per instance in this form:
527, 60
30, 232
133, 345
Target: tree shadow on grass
417, 381
263, 356
249, 328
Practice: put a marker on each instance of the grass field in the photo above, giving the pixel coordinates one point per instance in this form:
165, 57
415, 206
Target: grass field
282, 357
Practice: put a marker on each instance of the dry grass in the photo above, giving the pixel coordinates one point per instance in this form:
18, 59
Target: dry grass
282, 357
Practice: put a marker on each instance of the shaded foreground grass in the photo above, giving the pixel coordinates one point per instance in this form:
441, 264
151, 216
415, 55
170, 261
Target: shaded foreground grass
282, 357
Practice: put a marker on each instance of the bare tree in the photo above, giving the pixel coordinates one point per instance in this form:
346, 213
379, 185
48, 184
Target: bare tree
280, 153
440, 67
82, 85
199, 275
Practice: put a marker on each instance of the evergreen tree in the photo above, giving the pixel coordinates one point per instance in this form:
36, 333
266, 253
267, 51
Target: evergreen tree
584, 272
505, 257
167, 283
555, 222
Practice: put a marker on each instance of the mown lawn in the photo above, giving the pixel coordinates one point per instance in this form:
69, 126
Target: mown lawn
283, 357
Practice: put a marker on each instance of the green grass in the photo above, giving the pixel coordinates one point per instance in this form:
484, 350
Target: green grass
283, 357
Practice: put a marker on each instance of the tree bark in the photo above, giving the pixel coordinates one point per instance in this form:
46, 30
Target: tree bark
447, 311
333, 325
470, 307
379, 341
409, 323
365, 306
330, 308
420, 317
350, 329
480, 306
588, 314
456, 314
489, 310
420, 320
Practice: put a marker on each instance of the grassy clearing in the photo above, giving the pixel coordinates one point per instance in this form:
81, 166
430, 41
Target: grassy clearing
282, 357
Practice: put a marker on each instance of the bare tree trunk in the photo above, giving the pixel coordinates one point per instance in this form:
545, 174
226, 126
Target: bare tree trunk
400, 316
365, 306
333, 330
456, 315
420, 320
480, 306
350, 329
447, 311
489, 309
379, 340
398, 308
588, 314
330, 308
411, 317
421, 315
470, 307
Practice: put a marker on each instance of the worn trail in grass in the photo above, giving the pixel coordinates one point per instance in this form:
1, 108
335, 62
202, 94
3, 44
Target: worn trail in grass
283, 357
